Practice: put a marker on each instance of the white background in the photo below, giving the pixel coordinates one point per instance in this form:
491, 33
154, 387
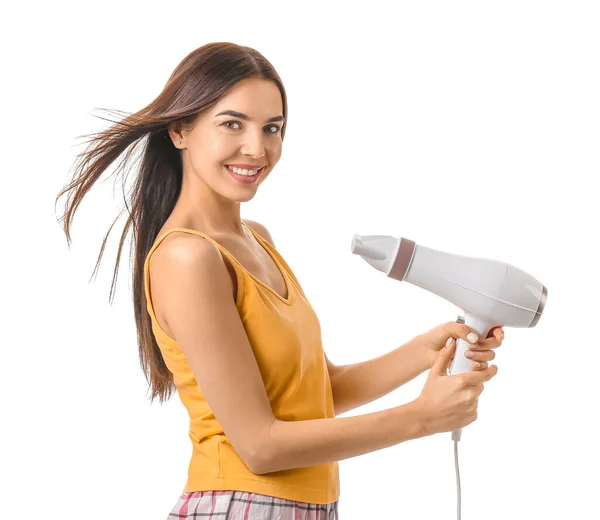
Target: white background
469, 127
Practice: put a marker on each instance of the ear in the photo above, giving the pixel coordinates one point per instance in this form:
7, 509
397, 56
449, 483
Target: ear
176, 135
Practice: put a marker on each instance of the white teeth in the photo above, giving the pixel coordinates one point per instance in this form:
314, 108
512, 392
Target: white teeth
247, 173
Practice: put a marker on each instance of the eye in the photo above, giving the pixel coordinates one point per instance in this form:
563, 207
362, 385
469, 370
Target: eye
276, 127
227, 122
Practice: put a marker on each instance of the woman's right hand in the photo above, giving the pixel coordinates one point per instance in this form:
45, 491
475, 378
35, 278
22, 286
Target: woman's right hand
449, 402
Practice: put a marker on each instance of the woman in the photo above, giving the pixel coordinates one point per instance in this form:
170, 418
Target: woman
221, 317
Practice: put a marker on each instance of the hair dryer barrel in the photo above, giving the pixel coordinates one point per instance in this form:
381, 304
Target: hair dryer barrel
493, 291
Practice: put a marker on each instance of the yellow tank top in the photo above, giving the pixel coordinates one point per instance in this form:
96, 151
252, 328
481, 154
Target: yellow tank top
285, 336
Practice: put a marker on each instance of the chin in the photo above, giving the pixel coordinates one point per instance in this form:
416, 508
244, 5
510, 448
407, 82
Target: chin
245, 199
236, 196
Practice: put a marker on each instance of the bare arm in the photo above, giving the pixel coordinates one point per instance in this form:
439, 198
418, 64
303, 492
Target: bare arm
307, 443
361, 383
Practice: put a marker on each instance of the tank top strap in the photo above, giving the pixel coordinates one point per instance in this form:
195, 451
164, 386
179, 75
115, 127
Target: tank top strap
265, 243
233, 261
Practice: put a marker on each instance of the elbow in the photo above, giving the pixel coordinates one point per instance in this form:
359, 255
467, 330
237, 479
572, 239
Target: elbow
259, 462
258, 468
253, 460
261, 457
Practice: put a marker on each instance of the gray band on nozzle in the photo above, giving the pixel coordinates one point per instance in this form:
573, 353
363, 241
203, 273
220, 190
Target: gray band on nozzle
541, 306
403, 258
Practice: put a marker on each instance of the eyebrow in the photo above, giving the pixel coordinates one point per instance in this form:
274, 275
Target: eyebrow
245, 117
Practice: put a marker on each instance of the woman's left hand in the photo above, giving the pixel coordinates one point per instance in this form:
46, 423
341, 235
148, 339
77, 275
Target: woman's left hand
434, 340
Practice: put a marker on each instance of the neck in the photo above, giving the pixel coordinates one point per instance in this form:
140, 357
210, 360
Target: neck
201, 208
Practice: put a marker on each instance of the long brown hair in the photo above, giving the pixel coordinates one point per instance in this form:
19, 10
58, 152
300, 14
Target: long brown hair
197, 83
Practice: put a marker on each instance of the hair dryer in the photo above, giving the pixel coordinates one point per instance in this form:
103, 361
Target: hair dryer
489, 292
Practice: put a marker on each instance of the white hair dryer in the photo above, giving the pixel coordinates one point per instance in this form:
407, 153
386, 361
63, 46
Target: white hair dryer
489, 292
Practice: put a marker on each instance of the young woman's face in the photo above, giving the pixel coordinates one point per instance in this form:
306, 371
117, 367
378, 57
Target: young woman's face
251, 137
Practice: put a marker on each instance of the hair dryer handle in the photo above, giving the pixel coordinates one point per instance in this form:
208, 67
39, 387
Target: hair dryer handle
461, 364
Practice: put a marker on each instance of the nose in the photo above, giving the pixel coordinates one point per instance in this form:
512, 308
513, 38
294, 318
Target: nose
254, 145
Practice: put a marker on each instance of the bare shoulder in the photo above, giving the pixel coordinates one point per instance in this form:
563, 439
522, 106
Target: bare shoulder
186, 269
261, 230
184, 247
180, 260
183, 253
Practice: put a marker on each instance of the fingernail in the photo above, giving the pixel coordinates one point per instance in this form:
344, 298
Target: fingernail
502, 336
449, 341
472, 337
470, 354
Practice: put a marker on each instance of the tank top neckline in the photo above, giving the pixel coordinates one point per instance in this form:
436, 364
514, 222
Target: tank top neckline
263, 243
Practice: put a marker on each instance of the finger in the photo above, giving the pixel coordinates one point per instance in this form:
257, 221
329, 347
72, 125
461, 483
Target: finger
476, 377
479, 365
485, 344
466, 333
496, 332
480, 355
474, 341
442, 363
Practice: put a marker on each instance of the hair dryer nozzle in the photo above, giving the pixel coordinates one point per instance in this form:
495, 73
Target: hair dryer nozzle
360, 248
385, 253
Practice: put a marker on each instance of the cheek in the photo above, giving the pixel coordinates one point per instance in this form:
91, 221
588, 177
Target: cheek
274, 151
212, 151
217, 148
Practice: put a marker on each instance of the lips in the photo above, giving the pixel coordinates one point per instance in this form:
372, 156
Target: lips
244, 179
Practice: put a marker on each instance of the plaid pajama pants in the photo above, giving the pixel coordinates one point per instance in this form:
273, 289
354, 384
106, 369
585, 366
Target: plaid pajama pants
240, 505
